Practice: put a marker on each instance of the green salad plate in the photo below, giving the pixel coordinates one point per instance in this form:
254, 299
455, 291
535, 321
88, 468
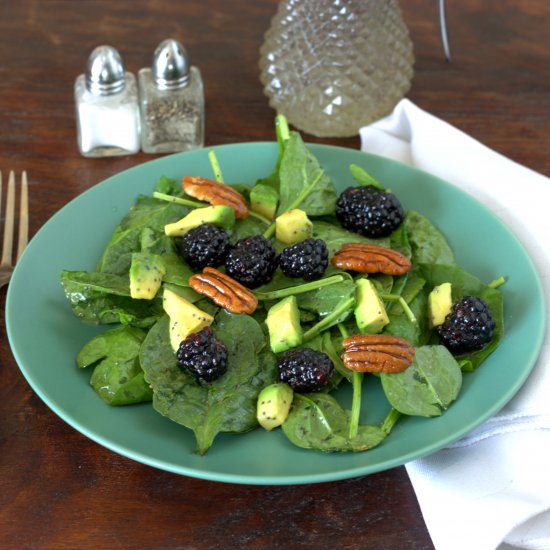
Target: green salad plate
45, 336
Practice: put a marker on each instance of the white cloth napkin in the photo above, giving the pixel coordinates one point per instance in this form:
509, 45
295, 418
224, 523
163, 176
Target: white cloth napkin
492, 488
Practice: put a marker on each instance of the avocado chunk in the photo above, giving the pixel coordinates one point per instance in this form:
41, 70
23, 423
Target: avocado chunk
185, 317
221, 215
370, 312
263, 200
283, 324
293, 226
146, 273
440, 302
273, 406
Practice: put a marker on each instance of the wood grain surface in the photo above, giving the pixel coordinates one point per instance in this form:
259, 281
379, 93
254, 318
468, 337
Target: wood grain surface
60, 490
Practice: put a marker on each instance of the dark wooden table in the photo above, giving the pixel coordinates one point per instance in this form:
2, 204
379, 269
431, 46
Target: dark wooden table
60, 490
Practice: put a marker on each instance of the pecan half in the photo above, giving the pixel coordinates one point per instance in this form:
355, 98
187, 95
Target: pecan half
215, 193
371, 258
224, 291
377, 353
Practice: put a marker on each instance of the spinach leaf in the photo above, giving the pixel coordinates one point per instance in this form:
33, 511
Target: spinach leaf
153, 213
407, 286
117, 377
328, 346
417, 333
156, 243
168, 186
81, 284
246, 227
428, 386
185, 292
296, 285
383, 283
427, 243
325, 300
283, 133
319, 422
301, 174
399, 240
335, 236
117, 256
177, 270
226, 405
362, 177
127, 237
104, 298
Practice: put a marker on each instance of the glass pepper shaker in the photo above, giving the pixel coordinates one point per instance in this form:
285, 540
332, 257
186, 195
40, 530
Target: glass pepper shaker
107, 109
171, 101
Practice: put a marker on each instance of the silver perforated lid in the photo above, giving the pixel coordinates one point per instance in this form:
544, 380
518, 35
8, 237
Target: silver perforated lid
105, 71
170, 65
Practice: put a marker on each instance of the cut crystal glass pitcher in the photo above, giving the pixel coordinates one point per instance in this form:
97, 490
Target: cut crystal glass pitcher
333, 66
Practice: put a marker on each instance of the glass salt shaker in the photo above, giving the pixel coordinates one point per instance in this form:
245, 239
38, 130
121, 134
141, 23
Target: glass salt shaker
171, 101
107, 110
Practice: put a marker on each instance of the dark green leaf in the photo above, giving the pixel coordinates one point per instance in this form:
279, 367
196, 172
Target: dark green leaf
399, 240
153, 213
427, 243
335, 236
407, 286
177, 270
362, 177
103, 298
283, 133
298, 171
156, 243
117, 256
325, 300
184, 291
147, 213
117, 377
168, 186
247, 226
428, 386
416, 333
319, 422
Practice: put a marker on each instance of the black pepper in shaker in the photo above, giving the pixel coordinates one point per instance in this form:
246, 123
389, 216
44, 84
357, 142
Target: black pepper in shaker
171, 101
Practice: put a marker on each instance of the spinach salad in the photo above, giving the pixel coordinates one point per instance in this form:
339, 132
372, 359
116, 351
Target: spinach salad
134, 360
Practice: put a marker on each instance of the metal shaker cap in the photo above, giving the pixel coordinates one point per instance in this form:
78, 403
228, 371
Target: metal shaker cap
105, 71
170, 65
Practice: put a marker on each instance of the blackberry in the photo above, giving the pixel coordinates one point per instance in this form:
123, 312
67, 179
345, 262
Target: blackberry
252, 261
307, 259
369, 211
203, 355
205, 245
468, 327
305, 369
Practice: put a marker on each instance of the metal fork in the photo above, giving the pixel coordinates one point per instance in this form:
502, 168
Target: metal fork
6, 265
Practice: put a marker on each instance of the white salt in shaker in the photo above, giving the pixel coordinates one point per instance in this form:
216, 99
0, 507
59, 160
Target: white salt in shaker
171, 101
107, 110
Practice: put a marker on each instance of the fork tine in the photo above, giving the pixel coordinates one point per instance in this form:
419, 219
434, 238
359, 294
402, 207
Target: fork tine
7, 246
23, 216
